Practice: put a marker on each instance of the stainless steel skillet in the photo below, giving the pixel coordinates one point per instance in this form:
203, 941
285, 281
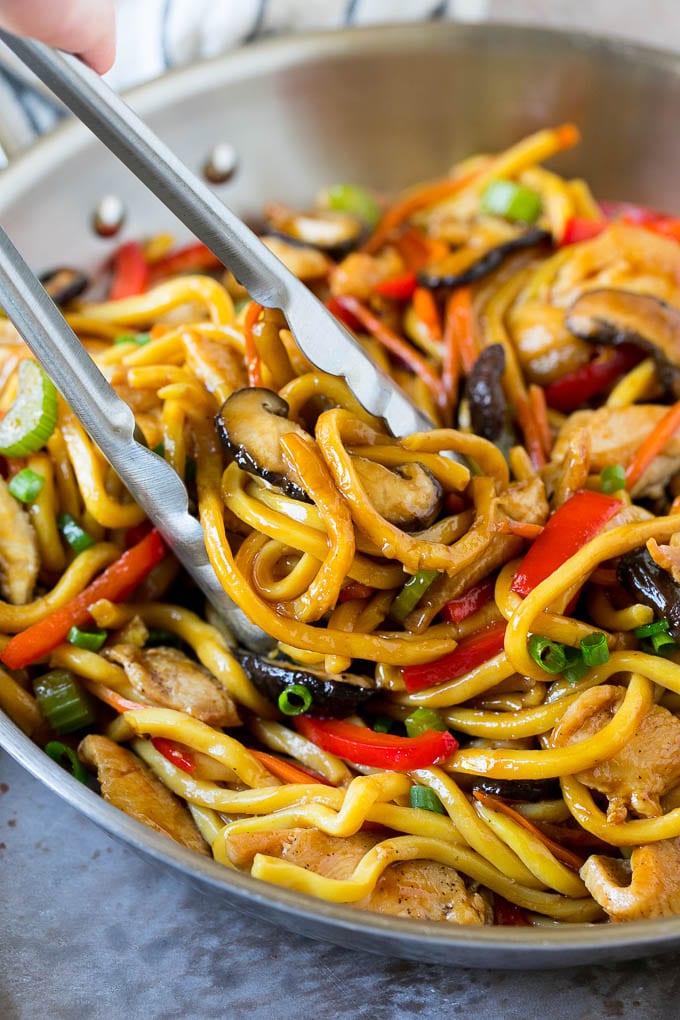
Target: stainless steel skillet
383, 107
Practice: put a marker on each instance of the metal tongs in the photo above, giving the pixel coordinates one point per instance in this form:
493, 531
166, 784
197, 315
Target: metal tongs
109, 421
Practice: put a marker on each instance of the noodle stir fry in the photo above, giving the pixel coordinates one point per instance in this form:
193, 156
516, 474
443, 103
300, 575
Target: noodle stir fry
470, 711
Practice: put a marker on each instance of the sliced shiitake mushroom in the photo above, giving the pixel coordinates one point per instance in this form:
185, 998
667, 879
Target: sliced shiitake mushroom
528, 790
64, 284
333, 232
485, 394
336, 695
490, 260
647, 582
408, 496
250, 424
616, 317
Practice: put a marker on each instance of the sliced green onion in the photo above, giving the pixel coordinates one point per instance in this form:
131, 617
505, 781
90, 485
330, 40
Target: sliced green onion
140, 339
613, 478
92, 640
594, 649
422, 720
411, 594
382, 724
164, 638
512, 201
295, 699
661, 641
549, 655
26, 486
426, 799
650, 629
32, 417
61, 754
62, 701
77, 537
349, 198
576, 668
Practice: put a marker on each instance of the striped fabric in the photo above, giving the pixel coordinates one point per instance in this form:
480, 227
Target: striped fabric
155, 35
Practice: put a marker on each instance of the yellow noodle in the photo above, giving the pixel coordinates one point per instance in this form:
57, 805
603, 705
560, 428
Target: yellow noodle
561, 761
406, 848
166, 722
538, 859
44, 511
90, 468
77, 576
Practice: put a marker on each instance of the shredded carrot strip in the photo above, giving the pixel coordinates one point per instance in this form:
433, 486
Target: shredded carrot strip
426, 309
412, 201
111, 697
567, 857
460, 323
539, 412
286, 771
653, 445
418, 250
252, 358
396, 345
522, 529
532, 438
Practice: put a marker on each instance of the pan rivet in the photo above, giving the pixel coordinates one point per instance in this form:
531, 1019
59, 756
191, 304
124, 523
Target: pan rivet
221, 163
108, 216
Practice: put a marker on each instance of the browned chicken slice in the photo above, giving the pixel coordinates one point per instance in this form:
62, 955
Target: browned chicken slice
129, 785
615, 434
167, 677
640, 773
648, 886
424, 890
19, 557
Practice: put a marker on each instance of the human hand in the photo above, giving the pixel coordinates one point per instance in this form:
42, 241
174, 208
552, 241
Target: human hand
84, 27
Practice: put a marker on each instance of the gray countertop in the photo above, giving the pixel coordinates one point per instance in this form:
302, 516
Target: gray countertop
90, 929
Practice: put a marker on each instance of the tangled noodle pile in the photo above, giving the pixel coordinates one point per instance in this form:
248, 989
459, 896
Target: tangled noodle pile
470, 709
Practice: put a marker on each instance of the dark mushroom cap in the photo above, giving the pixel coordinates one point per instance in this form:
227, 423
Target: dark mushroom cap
485, 264
64, 284
335, 233
250, 425
615, 317
485, 394
335, 695
408, 496
647, 582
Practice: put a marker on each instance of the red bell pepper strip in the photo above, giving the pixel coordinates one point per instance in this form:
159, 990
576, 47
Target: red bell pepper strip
175, 753
470, 602
192, 258
509, 914
470, 653
130, 272
114, 583
399, 288
579, 386
343, 315
362, 746
578, 228
653, 445
572, 525
355, 590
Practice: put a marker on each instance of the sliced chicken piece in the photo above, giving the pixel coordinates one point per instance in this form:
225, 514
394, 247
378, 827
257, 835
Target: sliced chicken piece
423, 890
648, 886
643, 771
214, 363
129, 785
615, 434
19, 557
359, 274
167, 677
